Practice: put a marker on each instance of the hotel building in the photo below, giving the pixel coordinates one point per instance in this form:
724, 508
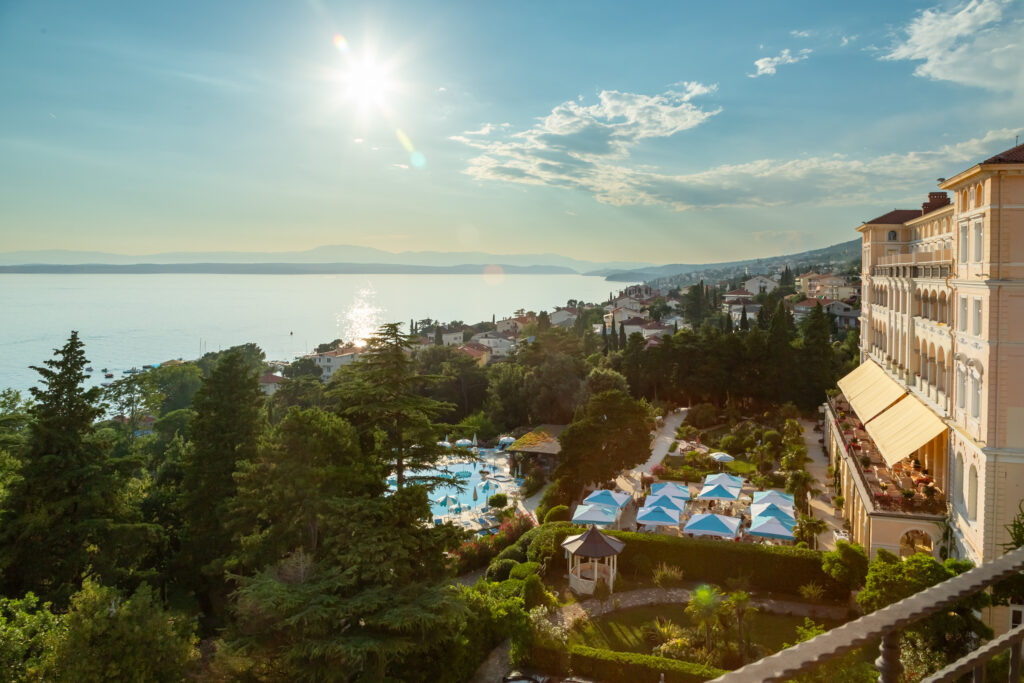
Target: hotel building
926, 436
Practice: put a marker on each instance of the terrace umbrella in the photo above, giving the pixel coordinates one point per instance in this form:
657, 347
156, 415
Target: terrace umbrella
463, 443
445, 501
657, 516
606, 497
718, 492
769, 527
444, 444
713, 525
665, 501
486, 486
730, 480
593, 514
722, 457
780, 512
773, 496
670, 488
506, 440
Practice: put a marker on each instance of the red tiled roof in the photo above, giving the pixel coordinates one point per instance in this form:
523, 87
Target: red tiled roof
1014, 155
895, 217
739, 292
271, 378
634, 321
809, 303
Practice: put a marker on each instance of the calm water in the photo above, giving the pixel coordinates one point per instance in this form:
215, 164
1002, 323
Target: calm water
135, 320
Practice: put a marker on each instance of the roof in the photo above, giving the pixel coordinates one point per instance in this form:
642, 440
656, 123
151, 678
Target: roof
473, 349
543, 439
1014, 155
592, 543
739, 292
809, 303
634, 321
895, 217
271, 378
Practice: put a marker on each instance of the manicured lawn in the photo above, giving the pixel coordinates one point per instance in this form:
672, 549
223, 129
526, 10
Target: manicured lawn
623, 630
745, 469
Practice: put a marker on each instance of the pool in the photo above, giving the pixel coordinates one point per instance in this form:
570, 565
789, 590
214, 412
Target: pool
469, 475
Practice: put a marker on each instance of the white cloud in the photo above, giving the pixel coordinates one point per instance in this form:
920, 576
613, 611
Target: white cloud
767, 66
846, 40
442, 89
800, 34
980, 43
588, 149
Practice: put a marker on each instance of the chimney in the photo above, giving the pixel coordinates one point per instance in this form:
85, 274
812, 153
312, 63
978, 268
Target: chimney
936, 200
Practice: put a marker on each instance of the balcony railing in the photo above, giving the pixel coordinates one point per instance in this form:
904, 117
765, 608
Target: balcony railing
886, 625
917, 258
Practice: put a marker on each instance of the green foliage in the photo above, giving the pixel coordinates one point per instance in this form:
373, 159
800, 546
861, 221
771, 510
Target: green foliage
850, 667
774, 568
506, 402
601, 380
559, 513
702, 415
812, 591
731, 444
524, 570
178, 384
498, 500
479, 424
305, 391
667, 576
303, 367
499, 570
847, 564
65, 508
544, 542
105, 637
513, 552
626, 667
534, 593
602, 591
27, 630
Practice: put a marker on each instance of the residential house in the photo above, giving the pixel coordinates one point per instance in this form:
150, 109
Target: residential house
563, 317
936, 408
268, 383
760, 284
500, 345
807, 283
514, 326
736, 312
736, 296
330, 361
478, 352
452, 337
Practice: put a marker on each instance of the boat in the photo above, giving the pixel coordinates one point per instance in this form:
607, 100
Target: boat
108, 375
88, 369
103, 370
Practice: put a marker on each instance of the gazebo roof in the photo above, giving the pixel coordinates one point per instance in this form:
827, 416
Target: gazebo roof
592, 543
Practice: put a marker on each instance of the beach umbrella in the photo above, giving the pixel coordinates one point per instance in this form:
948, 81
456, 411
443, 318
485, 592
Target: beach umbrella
657, 516
506, 440
463, 443
671, 488
486, 486
474, 494
713, 525
445, 501
593, 514
780, 512
722, 457
773, 496
444, 444
718, 492
606, 497
730, 480
665, 501
474, 438
769, 527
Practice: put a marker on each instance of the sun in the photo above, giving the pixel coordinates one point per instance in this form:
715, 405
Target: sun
367, 83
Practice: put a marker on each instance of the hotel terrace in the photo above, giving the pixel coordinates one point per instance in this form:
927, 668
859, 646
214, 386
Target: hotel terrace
926, 436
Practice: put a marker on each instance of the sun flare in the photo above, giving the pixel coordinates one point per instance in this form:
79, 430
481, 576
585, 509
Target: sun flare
367, 83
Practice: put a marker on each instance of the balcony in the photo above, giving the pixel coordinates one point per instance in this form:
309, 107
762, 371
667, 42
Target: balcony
886, 624
922, 264
940, 256
906, 488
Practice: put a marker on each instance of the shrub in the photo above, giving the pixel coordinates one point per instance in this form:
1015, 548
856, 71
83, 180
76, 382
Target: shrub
534, 482
730, 444
534, 594
774, 568
673, 446
772, 438
543, 542
812, 591
513, 552
509, 588
499, 570
477, 552
641, 565
621, 667
839, 501
524, 570
658, 470
686, 432
702, 415
498, 500
667, 576
559, 513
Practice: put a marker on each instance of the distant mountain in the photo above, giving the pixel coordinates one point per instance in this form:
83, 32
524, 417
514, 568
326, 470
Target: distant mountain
278, 269
845, 251
334, 254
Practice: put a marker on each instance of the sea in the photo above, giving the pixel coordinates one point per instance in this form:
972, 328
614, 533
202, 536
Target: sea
131, 320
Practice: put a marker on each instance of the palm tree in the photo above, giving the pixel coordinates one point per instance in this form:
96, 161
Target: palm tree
739, 603
801, 483
703, 609
808, 529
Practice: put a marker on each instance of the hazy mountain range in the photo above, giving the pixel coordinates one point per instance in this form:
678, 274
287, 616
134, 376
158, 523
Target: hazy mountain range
338, 259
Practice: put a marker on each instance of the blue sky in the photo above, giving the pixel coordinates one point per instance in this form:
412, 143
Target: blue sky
662, 132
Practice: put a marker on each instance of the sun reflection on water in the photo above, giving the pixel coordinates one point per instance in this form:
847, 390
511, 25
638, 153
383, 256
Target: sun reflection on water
362, 318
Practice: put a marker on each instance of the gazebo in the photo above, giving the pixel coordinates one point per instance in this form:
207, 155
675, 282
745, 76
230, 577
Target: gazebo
592, 556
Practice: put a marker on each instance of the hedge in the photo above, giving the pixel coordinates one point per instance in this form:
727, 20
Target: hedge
773, 568
522, 571
611, 666
499, 570
559, 513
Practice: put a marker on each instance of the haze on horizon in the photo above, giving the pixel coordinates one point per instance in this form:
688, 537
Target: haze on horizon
601, 131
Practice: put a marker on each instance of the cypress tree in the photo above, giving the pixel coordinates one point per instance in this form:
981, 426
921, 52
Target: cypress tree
614, 335
744, 323
622, 337
604, 335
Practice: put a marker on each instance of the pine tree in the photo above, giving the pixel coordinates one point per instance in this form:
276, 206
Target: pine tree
226, 428
62, 512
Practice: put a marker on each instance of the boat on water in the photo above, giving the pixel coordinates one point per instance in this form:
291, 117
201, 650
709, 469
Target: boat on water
109, 375
105, 384
88, 369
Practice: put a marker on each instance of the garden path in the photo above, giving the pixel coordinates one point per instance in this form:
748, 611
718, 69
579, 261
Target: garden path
821, 505
495, 666
568, 614
630, 480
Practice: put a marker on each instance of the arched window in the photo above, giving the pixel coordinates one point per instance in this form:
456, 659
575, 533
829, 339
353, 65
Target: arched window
958, 480
972, 494
978, 194
892, 235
